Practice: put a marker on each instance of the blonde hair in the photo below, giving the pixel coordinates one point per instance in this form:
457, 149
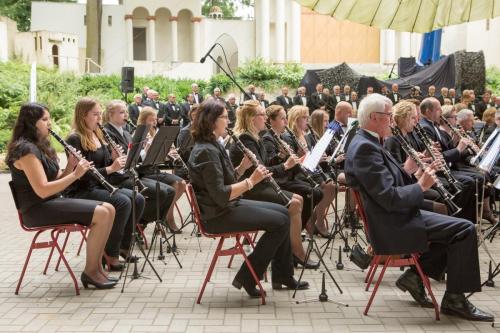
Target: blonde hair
146, 112
273, 111
489, 115
82, 108
317, 122
446, 110
295, 113
244, 118
111, 107
402, 111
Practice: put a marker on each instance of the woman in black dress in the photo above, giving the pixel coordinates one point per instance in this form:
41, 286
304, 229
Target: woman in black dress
89, 140
38, 183
214, 181
250, 122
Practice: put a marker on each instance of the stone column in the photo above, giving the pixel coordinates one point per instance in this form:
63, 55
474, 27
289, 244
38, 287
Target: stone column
294, 28
280, 30
173, 39
196, 37
151, 38
264, 30
129, 26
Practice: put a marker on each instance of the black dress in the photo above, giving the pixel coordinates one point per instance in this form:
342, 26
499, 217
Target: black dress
54, 210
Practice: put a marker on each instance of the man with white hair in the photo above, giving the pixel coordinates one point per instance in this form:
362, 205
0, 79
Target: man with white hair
465, 118
231, 107
195, 90
397, 225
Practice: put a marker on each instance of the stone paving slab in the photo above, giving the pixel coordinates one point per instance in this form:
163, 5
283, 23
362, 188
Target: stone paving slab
47, 303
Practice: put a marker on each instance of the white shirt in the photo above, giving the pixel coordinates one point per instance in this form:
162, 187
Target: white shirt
304, 100
119, 129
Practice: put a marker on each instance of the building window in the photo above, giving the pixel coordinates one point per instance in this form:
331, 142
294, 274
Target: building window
487, 24
36, 44
110, 20
84, 19
40, 39
63, 39
73, 40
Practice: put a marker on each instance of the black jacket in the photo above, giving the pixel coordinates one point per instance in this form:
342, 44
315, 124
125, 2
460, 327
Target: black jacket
390, 200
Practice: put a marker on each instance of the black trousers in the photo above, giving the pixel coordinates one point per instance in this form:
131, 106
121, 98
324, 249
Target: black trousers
303, 189
273, 246
453, 248
165, 197
466, 199
121, 233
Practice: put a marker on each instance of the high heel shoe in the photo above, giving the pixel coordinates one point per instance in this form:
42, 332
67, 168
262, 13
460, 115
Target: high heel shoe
321, 233
86, 280
252, 291
106, 261
308, 265
128, 258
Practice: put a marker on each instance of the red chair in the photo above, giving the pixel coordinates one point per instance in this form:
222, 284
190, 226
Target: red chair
219, 252
55, 231
390, 261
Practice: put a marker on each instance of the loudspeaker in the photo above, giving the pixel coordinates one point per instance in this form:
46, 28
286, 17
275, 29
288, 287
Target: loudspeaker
127, 84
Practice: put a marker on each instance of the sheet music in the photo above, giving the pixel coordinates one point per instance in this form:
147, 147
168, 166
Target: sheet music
492, 154
311, 161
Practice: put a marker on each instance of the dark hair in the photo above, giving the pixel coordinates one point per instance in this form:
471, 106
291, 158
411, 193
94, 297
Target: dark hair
425, 105
25, 128
204, 123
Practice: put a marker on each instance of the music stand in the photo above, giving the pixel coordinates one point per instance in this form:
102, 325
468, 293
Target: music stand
156, 155
133, 156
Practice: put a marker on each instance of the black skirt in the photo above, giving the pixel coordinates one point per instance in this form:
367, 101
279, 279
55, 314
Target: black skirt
60, 211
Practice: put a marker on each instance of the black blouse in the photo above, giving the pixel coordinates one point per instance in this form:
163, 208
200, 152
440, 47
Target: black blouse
25, 194
211, 174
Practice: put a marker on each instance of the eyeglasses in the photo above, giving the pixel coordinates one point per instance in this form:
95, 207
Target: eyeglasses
384, 113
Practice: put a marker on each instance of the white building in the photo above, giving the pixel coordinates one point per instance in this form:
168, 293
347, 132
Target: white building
170, 36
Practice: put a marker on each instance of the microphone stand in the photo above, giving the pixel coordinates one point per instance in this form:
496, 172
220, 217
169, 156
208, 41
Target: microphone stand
230, 77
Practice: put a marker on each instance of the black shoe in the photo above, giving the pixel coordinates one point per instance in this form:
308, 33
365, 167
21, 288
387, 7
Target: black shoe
86, 280
459, 306
321, 233
290, 283
250, 288
309, 265
411, 282
128, 258
113, 268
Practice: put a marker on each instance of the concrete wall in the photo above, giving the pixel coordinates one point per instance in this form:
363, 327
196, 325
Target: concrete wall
8, 30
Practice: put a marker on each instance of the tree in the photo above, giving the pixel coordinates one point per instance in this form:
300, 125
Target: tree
20, 11
228, 6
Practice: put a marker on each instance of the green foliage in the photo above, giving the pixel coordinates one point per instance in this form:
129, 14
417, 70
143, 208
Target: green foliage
493, 80
219, 80
268, 75
228, 7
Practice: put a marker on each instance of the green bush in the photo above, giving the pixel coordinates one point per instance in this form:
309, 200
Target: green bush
493, 80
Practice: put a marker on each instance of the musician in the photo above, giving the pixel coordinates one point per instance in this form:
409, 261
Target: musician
489, 117
398, 226
135, 108
217, 95
115, 111
195, 91
468, 99
171, 113
251, 93
38, 182
483, 104
262, 100
250, 122
185, 108
346, 96
336, 97
301, 98
354, 103
177, 183
430, 110
231, 107
185, 144
284, 100
145, 90
453, 96
218, 194
297, 122
444, 95
89, 140
317, 98
431, 91
343, 111
394, 95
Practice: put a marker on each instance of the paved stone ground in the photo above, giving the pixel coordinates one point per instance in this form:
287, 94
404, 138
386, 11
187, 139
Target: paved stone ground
48, 303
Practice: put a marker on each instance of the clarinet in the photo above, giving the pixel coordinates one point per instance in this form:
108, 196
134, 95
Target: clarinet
306, 150
455, 184
255, 163
290, 152
140, 186
93, 171
131, 124
445, 195
178, 159
470, 147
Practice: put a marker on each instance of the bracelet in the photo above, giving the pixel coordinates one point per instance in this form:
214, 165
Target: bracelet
249, 183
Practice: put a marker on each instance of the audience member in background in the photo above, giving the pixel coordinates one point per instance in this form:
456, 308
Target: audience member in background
444, 95
231, 107
394, 95
452, 95
317, 97
346, 96
251, 93
195, 91
489, 118
284, 100
135, 108
217, 95
262, 100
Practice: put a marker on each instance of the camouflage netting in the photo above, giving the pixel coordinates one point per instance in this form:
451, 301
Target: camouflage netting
470, 71
339, 75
